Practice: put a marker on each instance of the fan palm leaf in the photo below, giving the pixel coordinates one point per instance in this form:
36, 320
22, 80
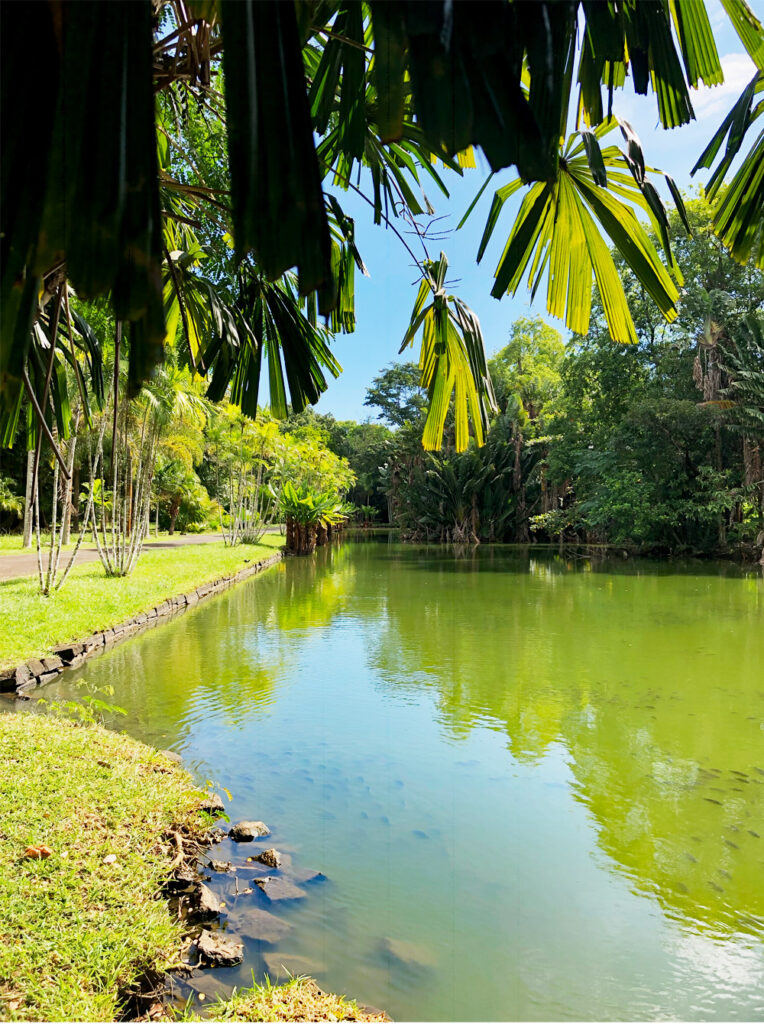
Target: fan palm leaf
558, 232
452, 360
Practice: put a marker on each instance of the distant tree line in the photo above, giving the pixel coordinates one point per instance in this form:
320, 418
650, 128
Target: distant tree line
656, 446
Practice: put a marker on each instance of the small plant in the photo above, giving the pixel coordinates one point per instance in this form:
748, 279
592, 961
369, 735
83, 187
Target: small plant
9, 500
88, 710
367, 514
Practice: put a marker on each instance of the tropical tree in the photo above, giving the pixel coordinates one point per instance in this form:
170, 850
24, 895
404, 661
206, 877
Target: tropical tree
742, 359
309, 516
247, 457
138, 428
397, 393
315, 94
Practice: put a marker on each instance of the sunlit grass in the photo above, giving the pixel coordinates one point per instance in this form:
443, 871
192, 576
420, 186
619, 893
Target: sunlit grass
298, 1000
31, 625
78, 926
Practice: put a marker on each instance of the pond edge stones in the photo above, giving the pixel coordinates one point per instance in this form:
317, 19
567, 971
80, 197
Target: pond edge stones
219, 949
38, 671
271, 858
246, 831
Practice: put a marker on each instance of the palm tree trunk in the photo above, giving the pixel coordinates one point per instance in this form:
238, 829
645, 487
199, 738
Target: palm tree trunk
66, 508
29, 501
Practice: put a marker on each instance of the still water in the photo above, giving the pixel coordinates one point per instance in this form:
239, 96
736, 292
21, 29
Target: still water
535, 784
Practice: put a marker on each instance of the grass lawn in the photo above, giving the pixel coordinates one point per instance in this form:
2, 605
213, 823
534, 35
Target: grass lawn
31, 625
85, 922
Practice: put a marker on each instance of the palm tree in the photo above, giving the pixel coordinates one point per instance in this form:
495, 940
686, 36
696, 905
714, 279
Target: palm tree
316, 92
165, 404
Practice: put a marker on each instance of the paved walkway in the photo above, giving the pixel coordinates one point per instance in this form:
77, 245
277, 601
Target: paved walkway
24, 563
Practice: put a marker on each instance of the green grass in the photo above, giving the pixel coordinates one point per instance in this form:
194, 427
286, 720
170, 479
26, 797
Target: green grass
77, 930
83, 925
300, 999
31, 625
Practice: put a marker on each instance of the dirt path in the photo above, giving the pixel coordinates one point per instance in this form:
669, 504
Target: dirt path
24, 563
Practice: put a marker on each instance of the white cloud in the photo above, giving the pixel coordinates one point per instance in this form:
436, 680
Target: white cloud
717, 15
714, 102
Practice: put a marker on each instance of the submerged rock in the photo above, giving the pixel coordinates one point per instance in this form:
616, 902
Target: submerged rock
261, 925
409, 954
170, 755
286, 965
246, 831
306, 876
209, 985
279, 888
270, 857
220, 949
222, 867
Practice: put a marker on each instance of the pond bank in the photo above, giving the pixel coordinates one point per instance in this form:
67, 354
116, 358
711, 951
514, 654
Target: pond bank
92, 613
92, 832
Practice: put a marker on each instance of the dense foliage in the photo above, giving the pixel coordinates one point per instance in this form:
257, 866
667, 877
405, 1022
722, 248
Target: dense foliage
655, 445
238, 123
203, 230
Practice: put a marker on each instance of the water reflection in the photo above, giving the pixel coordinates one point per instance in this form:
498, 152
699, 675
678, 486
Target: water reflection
656, 693
543, 769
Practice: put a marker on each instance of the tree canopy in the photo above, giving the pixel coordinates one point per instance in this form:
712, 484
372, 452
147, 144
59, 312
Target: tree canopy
175, 121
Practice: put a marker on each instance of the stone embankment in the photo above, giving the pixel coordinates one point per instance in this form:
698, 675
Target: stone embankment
38, 671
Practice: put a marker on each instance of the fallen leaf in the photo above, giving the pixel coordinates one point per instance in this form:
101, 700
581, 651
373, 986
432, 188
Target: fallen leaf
45, 851
110, 858
33, 852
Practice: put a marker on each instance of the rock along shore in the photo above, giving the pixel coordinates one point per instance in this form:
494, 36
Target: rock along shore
38, 671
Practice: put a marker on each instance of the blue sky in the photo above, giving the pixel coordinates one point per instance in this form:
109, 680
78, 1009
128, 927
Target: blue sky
385, 299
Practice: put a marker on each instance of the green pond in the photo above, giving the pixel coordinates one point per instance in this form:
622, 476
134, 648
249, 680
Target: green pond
535, 784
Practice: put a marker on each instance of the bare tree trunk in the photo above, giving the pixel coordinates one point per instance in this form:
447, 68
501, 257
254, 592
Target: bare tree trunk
521, 518
29, 501
66, 508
